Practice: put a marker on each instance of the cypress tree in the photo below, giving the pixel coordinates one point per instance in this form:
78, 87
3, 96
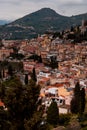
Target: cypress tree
77, 90
53, 114
82, 100
76, 101
0, 74
33, 75
3, 73
26, 79
53, 63
74, 105
10, 70
40, 59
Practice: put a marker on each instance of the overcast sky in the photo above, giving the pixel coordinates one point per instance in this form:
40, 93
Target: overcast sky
14, 9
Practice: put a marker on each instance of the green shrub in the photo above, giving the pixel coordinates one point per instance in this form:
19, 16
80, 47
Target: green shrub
64, 119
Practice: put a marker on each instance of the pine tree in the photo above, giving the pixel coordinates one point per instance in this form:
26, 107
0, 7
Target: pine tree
53, 114
22, 104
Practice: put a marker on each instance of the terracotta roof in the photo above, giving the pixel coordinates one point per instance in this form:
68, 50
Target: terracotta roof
59, 85
1, 104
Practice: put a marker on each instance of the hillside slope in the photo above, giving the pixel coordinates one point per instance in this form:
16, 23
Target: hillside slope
39, 22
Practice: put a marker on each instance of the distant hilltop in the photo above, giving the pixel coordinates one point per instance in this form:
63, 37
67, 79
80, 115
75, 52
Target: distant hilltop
39, 22
3, 22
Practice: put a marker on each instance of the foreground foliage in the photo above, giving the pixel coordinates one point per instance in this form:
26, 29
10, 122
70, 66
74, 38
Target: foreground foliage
22, 105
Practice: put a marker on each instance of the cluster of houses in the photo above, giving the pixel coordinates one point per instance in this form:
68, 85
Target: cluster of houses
56, 84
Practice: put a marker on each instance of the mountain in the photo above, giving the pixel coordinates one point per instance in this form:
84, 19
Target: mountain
39, 22
3, 22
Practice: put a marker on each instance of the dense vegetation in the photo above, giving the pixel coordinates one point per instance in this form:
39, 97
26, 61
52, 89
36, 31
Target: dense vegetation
23, 111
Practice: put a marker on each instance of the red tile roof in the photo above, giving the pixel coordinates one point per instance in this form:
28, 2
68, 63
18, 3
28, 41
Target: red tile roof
1, 104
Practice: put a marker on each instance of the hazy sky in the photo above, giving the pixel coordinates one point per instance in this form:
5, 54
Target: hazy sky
14, 9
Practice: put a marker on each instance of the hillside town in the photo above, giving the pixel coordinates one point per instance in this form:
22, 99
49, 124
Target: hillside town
62, 63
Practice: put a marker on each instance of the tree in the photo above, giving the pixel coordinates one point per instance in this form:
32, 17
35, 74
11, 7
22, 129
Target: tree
16, 66
76, 100
53, 114
40, 59
33, 75
54, 63
83, 101
26, 79
74, 105
1, 44
77, 90
0, 74
35, 57
18, 56
22, 103
72, 29
10, 70
34, 122
3, 73
64, 119
4, 123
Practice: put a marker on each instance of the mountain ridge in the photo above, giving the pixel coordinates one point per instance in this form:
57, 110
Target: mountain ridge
39, 22
3, 22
